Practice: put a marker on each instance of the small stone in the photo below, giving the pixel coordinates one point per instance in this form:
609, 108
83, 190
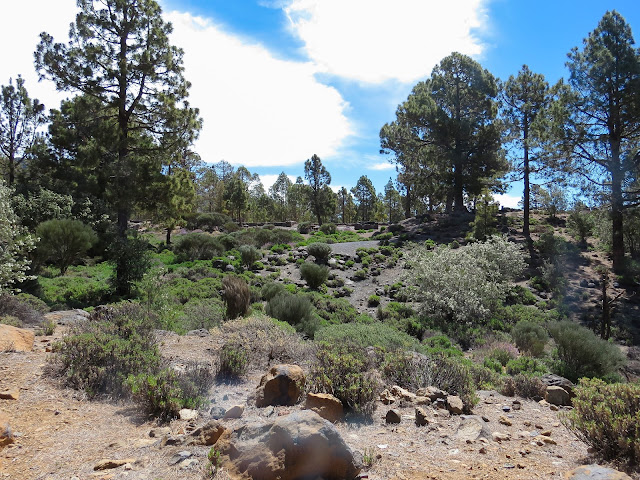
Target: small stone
545, 440
402, 393
454, 404
188, 414
500, 437
506, 408
108, 464
526, 423
393, 416
234, 412
516, 405
546, 433
421, 417
13, 394
179, 457
553, 408
386, 397
422, 400
482, 450
595, 472
159, 432
505, 421
217, 412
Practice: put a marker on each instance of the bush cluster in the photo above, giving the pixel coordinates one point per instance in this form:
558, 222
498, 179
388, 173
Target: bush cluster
14, 306
320, 251
607, 418
345, 371
314, 275
581, 353
197, 246
63, 242
530, 337
249, 255
296, 310
233, 360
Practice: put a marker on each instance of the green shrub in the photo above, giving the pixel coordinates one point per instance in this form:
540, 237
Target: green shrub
580, 353
328, 228
231, 227
407, 369
581, 224
360, 275
365, 335
271, 289
158, 393
607, 418
249, 254
320, 251
209, 221
530, 337
236, 296
202, 313
99, 355
441, 345
453, 375
63, 242
492, 364
197, 246
233, 360
527, 366
502, 355
304, 227
314, 275
131, 258
373, 301
521, 295
345, 371
296, 310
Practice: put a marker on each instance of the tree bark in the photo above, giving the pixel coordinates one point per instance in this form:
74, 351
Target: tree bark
616, 210
525, 228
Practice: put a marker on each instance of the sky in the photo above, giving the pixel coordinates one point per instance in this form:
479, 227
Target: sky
277, 81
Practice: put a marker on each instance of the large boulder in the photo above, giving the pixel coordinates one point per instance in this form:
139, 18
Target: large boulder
325, 405
281, 386
208, 434
297, 446
557, 396
472, 427
595, 472
15, 339
552, 380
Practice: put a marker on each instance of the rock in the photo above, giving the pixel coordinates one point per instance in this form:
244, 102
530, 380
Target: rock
584, 282
422, 400
557, 396
386, 397
296, 446
179, 457
217, 412
208, 434
15, 339
595, 472
516, 405
455, 405
159, 432
108, 464
281, 386
188, 414
505, 421
543, 439
325, 405
201, 332
393, 416
506, 408
500, 437
6, 435
551, 380
67, 317
471, 428
432, 392
229, 268
400, 392
234, 412
421, 417
13, 394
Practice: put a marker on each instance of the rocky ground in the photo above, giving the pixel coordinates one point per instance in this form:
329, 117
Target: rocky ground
59, 434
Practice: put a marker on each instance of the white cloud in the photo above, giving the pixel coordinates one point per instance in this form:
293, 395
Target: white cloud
258, 110
377, 40
382, 166
509, 201
20, 26
269, 179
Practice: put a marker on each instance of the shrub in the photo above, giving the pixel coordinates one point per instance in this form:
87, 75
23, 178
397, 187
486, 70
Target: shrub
197, 246
271, 289
580, 353
373, 301
328, 228
345, 371
236, 296
527, 366
13, 306
304, 227
231, 227
365, 335
314, 275
296, 310
580, 224
530, 337
233, 360
524, 386
131, 258
320, 251
606, 417
453, 375
249, 254
407, 369
100, 354
202, 313
270, 340
210, 221
502, 355
470, 293
63, 242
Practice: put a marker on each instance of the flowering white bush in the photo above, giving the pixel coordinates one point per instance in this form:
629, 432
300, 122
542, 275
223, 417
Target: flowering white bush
15, 243
465, 285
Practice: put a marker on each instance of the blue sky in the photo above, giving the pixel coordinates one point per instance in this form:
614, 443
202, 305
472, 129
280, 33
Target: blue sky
279, 80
